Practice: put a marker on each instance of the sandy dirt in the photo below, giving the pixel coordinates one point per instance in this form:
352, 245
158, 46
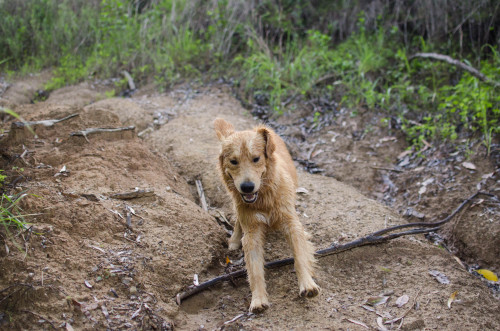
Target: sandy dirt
93, 261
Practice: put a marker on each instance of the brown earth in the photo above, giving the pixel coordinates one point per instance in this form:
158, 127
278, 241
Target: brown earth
94, 261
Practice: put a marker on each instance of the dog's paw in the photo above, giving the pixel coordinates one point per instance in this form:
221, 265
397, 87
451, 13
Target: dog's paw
309, 291
259, 305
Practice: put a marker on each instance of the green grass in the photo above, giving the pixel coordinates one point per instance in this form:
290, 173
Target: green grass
278, 54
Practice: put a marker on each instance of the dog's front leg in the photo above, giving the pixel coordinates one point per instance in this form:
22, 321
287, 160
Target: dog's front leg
253, 246
235, 241
303, 253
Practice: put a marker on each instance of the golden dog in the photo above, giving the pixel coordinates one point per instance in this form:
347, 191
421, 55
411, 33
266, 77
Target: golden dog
261, 178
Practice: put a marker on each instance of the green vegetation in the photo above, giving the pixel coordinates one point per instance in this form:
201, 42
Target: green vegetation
280, 53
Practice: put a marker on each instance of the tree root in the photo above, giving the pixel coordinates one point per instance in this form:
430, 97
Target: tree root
377, 237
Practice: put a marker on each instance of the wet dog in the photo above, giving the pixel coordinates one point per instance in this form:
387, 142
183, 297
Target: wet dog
260, 176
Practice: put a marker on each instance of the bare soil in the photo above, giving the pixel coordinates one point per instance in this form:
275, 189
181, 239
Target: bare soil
92, 261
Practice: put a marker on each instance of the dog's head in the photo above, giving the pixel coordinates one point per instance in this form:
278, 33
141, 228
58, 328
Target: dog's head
245, 158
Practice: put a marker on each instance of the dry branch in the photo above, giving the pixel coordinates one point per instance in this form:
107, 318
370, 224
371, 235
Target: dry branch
129, 79
371, 239
133, 194
47, 123
201, 193
86, 132
457, 63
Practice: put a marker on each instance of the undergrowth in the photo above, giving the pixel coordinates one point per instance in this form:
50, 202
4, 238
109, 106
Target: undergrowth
279, 53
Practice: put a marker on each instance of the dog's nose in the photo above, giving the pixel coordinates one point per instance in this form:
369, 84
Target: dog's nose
247, 187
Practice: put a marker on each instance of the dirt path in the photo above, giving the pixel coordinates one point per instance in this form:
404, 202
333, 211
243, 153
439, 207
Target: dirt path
86, 267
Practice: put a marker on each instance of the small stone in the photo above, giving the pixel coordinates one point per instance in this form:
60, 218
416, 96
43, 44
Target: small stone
133, 290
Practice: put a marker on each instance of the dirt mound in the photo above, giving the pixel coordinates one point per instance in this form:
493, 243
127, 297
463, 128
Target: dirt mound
81, 247
96, 261
23, 91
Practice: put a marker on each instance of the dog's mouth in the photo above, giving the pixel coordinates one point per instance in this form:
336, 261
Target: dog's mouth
249, 198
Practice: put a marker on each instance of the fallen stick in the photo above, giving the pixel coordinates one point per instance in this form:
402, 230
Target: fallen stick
46, 123
133, 194
129, 79
371, 239
201, 193
387, 169
457, 63
88, 131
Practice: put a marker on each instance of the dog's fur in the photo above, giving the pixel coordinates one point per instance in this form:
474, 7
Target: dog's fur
261, 178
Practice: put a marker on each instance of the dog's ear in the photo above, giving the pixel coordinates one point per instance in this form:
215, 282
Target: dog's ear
223, 129
268, 138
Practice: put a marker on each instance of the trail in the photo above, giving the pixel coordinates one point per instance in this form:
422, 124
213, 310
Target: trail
94, 261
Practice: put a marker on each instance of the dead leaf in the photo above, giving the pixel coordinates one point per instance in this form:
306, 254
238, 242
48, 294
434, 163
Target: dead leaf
302, 190
358, 323
452, 298
439, 277
402, 300
384, 139
488, 274
405, 153
459, 261
315, 153
227, 260
428, 181
380, 323
486, 176
375, 301
476, 203
422, 190
468, 165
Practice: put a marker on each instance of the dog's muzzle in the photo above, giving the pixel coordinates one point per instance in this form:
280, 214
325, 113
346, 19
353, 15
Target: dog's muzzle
249, 197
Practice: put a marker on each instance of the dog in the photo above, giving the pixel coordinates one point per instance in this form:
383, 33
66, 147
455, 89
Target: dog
260, 176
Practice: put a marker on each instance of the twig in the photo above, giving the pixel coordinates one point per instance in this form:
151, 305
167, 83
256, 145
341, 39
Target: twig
388, 169
40, 316
406, 312
86, 132
47, 123
201, 193
371, 239
133, 195
130, 80
457, 63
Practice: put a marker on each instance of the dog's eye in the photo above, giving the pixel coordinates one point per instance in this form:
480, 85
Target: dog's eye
234, 162
256, 159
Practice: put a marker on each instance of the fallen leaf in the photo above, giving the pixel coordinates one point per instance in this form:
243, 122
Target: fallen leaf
478, 202
422, 190
380, 323
375, 301
452, 298
459, 261
384, 139
487, 175
402, 300
302, 190
428, 181
358, 323
439, 277
489, 275
405, 153
195, 280
468, 165
227, 260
